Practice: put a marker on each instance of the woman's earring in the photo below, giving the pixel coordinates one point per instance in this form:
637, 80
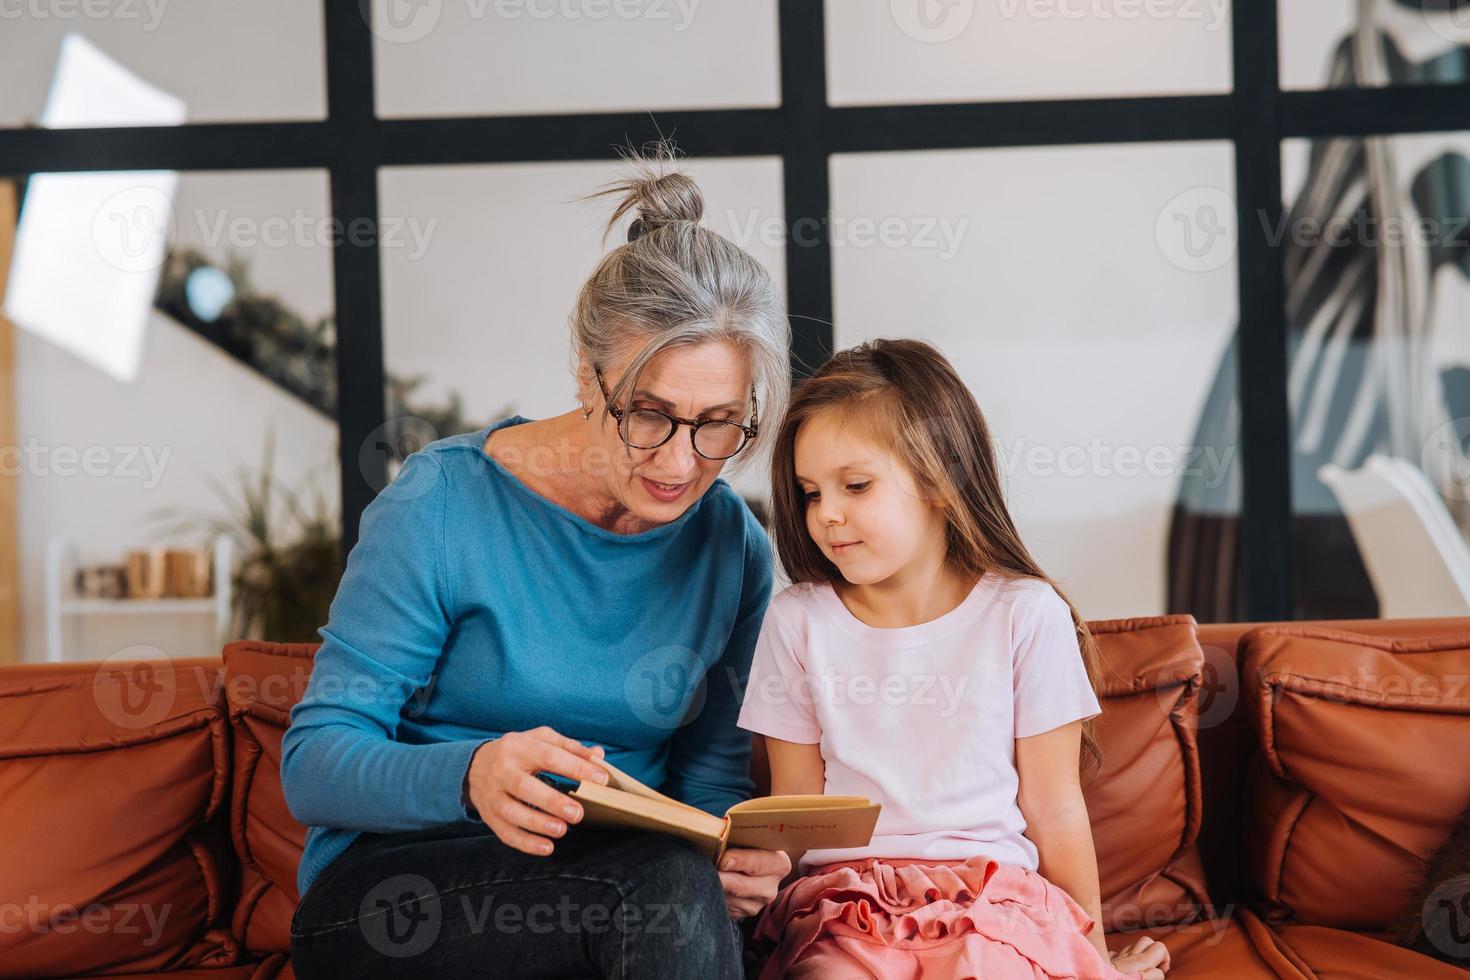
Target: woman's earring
586, 413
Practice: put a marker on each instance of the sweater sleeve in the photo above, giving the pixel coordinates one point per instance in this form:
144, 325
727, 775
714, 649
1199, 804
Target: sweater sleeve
341, 765
709, 760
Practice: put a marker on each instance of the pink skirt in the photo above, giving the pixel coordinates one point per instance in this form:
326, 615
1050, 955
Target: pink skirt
911, 919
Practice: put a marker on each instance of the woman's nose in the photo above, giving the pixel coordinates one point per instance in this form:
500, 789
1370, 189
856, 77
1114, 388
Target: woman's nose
679, 455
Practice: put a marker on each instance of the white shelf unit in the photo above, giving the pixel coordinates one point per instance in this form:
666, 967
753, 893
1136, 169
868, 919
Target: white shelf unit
61, 562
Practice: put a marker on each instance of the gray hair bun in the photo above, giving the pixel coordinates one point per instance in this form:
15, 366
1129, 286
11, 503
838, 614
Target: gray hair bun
656, 193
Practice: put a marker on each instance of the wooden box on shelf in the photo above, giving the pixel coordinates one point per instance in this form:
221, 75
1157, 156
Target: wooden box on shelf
159, 581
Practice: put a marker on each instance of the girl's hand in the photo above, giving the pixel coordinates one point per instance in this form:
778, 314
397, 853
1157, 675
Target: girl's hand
516, 805
750, 878
1145, 956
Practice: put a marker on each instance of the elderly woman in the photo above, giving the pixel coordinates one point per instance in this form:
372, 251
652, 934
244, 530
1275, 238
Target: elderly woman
533, 597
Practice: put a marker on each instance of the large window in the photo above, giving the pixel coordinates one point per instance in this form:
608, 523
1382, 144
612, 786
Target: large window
1120, 184
1057, 282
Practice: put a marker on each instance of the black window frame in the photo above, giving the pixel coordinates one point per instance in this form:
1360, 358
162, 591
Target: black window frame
352, 144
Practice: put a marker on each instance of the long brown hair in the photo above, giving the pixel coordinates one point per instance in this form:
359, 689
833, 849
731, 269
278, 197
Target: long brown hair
907, 396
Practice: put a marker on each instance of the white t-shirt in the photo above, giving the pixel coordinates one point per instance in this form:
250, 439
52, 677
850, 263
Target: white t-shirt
922, 719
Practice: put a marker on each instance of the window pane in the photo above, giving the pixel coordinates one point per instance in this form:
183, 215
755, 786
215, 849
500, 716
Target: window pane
1326, 44
476, 298
1377, 263
503, 57
966, 51
1088, 297
226, 60
168, 330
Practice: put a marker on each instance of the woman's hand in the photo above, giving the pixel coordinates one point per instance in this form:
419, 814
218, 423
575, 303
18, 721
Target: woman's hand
516, 805
750, 878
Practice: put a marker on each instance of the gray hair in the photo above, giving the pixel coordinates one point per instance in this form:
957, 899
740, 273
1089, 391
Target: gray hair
676, 283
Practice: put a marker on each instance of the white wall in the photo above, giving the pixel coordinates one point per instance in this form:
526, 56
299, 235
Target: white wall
981, 50
1061, 307
197, 413
471, 57
228, 59
1060, 303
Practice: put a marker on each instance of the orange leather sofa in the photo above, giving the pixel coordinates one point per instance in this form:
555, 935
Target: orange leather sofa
1269, 796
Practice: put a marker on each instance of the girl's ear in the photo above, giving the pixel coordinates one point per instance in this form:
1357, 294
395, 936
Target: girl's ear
930, 494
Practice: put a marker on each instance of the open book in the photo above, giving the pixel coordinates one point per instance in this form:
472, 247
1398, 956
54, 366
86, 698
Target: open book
774, 823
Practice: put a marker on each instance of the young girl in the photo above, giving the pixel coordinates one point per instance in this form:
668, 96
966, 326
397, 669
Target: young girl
923, 660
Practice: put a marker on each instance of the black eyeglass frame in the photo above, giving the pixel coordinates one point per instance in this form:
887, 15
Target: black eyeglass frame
751, 431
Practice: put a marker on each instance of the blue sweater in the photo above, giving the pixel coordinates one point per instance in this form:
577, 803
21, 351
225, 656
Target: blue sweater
472, 606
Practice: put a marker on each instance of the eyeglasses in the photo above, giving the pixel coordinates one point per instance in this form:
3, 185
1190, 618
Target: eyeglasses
648, 428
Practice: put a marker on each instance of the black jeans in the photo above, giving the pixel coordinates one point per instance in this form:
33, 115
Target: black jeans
456, 902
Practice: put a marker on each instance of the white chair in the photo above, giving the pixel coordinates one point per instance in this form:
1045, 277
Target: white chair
1415, 554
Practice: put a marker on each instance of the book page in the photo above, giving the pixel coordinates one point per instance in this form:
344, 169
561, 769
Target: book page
804, 827
800, 802
620, 780
606, 806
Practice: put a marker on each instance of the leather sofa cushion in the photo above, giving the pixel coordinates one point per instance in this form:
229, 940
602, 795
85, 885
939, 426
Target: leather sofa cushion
262, 683
1237, 946
1361, 772
241, 971
1144, 804
1241, 946
111, 776
1325, 952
